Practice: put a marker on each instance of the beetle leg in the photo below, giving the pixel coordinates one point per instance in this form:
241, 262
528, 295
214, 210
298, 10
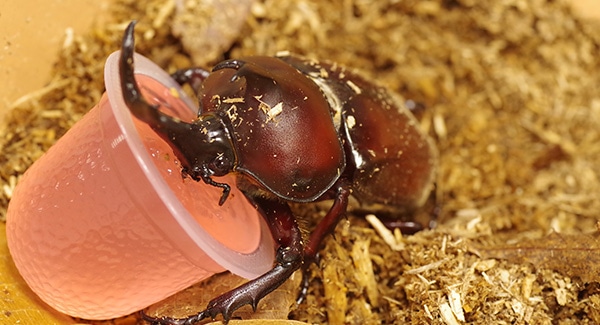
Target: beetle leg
325, 227
191, 76
286, 233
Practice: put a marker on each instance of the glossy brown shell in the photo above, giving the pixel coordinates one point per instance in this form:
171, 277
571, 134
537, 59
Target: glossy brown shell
281, 127
394, 161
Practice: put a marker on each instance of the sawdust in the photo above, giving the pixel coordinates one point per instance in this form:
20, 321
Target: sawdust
510, 91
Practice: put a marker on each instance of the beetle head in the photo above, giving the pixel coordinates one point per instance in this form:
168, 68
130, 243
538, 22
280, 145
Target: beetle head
204, 146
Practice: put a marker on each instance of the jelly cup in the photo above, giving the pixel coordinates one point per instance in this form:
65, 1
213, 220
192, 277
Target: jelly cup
104, 224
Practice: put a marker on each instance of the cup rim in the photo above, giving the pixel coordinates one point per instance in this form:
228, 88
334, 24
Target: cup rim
248, 265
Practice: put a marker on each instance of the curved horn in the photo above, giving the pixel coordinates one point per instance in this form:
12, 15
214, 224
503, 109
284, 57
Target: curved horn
196, 144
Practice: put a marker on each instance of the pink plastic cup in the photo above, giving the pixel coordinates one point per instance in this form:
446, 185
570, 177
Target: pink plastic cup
104, 224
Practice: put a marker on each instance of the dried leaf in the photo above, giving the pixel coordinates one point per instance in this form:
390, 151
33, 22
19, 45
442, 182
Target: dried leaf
570, 255
19, 305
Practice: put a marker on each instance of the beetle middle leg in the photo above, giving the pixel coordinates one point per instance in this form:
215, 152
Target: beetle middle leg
325, 227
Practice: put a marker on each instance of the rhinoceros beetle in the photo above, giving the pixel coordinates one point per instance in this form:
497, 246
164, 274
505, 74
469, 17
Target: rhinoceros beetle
292, 130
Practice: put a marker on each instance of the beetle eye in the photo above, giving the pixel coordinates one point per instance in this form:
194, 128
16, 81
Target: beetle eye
221, 165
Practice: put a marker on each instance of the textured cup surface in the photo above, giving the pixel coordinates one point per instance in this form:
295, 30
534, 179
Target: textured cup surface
104, 224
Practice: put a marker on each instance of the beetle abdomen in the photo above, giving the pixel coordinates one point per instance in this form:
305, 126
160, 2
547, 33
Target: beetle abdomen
394, 159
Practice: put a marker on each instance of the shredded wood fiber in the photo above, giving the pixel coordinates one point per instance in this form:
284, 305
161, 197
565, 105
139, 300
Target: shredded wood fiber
511, 93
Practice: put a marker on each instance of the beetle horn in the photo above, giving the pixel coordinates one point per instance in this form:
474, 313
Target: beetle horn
169, 128
197, 144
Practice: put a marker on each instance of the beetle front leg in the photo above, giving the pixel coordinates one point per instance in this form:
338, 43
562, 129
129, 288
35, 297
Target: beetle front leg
289, 258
